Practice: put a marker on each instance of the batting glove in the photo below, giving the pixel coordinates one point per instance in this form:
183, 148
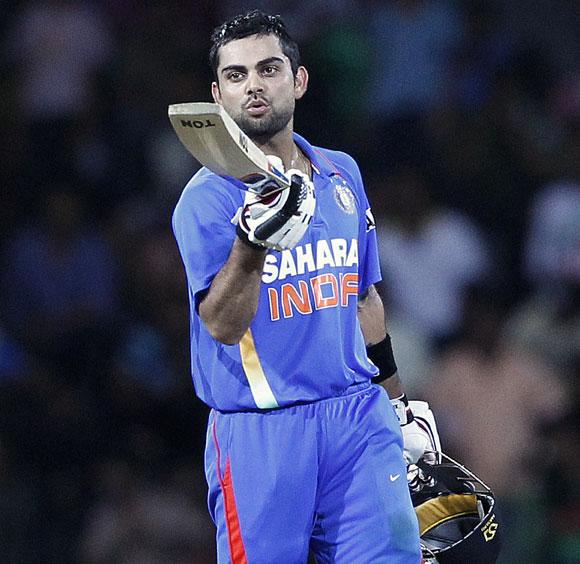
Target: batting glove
278, 219
420, 436
418, 479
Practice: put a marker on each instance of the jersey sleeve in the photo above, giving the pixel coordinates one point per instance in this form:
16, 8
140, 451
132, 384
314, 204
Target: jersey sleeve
204, 233
369, 264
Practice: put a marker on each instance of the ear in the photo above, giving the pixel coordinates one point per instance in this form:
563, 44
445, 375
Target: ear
216, 94
300, 82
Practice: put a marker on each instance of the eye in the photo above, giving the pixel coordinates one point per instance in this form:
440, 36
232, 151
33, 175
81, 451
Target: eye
269, 70
235, 76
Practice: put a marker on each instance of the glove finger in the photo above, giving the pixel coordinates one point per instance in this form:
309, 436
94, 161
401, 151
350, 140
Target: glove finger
257, 210
299, 229
293, 199
292, 237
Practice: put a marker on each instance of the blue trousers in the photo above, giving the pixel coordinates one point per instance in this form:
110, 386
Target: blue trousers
326, 477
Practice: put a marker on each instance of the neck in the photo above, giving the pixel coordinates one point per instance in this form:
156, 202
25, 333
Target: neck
282, 145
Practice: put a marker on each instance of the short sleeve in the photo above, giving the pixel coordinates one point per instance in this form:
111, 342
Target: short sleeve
369, 269
204, 232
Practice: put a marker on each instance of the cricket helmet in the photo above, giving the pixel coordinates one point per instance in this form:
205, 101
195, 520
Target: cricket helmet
458, 520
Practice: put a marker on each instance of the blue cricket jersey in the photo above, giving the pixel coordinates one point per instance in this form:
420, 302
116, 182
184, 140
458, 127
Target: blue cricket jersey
305, 342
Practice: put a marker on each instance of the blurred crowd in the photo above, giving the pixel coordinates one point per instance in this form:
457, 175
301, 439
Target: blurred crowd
465, 119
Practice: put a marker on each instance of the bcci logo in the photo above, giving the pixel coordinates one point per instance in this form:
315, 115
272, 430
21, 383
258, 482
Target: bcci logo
344, 197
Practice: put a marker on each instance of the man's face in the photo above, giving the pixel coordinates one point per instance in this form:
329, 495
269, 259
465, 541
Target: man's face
256, 85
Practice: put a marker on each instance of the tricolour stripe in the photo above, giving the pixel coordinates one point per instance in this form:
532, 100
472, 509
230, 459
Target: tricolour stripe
235, 541
261, 391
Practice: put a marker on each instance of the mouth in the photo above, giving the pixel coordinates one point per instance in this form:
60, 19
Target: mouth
257, 107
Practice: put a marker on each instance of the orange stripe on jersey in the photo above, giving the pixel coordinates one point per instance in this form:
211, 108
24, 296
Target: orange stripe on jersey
259, 387
237, 549
235, 541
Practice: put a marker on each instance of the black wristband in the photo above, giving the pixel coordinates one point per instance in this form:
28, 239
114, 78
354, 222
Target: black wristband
381, 355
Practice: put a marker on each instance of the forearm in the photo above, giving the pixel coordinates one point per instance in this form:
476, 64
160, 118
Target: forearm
393, 386
420, 440
232, 299
371, 315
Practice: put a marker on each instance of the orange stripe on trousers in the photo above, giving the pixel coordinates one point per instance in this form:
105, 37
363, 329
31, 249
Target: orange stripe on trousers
235, 541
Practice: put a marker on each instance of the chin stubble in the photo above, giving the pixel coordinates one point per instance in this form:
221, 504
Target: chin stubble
267, 127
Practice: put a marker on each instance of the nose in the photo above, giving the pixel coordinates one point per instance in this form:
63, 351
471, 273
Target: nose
254, 84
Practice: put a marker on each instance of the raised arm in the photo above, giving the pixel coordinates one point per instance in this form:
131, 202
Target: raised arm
266, 221
231, 302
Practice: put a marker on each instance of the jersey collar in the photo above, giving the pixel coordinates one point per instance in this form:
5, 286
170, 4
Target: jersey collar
320, 163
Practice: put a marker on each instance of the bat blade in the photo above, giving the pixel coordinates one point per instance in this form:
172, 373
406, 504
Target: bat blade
216, 141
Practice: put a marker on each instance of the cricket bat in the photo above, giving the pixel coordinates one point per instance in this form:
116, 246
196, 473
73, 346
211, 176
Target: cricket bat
216, 141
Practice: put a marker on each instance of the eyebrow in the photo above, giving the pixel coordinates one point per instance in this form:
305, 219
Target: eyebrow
261, 63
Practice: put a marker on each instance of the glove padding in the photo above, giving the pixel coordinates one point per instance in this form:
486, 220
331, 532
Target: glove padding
277, 219
418, 479
420, 435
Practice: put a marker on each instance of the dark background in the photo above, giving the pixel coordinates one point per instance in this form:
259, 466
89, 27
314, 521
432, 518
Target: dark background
465, 119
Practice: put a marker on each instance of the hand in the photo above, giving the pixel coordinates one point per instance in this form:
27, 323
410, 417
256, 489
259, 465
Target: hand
278, 219
420, 436
418, 479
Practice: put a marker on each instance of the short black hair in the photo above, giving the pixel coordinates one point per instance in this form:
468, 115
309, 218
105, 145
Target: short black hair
258, 23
